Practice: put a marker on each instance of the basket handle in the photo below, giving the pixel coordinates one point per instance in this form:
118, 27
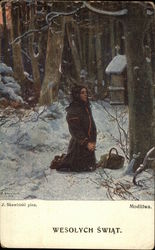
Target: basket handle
112, 150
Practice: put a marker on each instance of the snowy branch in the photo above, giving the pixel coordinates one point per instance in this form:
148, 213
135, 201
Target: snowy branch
49, 17
28, 33
143, 165
53, 14
104, 12
3, 1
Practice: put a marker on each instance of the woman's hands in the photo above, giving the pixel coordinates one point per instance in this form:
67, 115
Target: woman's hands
91, 146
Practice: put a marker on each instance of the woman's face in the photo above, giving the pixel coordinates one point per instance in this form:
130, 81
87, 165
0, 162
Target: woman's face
84, 95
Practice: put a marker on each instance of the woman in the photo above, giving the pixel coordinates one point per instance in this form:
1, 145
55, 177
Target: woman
81, 150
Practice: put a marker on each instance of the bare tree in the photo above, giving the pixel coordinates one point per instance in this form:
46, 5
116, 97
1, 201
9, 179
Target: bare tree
139, 81
1, 29
70, 27
99, 66
34, 54
5, 34
18, 66
50, 86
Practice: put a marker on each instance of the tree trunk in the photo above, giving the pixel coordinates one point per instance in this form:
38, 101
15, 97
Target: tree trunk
34, 57
90, 53
153, 48
84, 48
77, 31
50, 87
153, 71
24, 24
139, 84
91, 57
1, 32
112, 39
99, 64
16, 47
74, 50
118, 35
5, 36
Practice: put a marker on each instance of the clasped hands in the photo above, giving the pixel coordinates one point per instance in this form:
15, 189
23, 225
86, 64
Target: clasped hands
91, 146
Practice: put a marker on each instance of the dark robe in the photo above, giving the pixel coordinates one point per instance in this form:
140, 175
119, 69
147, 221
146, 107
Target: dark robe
83, 130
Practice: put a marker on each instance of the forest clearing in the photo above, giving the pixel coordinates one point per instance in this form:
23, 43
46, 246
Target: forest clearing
46, 48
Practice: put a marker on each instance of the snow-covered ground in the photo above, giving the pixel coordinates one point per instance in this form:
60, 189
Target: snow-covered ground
29, 140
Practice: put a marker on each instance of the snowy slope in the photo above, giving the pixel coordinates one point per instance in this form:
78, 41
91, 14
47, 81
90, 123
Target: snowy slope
29, 140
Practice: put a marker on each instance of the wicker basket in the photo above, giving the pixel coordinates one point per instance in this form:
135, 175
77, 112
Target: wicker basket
111, 160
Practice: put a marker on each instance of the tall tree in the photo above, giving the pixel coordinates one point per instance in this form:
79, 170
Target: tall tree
99, 67
34, 54
18, 66
112, 40
152, 46
1, 32
152, 35
139, 81
71, 32
5, 40
91, 54
50, 86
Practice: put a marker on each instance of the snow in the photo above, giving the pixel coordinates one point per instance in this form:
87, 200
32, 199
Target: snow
73, 43
113, 88
116, 102
60, 70
117, 65
29, 140
83, 73
15, 86
136, 67
36, 54
148, 59
7, 79
104, 12
95, 89
9, 88
26, 74
5, 69
150, 13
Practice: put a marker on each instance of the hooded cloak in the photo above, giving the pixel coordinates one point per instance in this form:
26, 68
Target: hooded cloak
82, 128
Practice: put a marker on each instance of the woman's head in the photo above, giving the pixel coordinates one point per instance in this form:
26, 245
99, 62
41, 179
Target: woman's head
80, 93
84, 95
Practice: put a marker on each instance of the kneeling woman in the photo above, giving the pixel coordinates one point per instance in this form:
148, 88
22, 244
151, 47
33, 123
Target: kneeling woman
81, 150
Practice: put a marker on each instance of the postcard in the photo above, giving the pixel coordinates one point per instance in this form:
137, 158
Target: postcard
77, 124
